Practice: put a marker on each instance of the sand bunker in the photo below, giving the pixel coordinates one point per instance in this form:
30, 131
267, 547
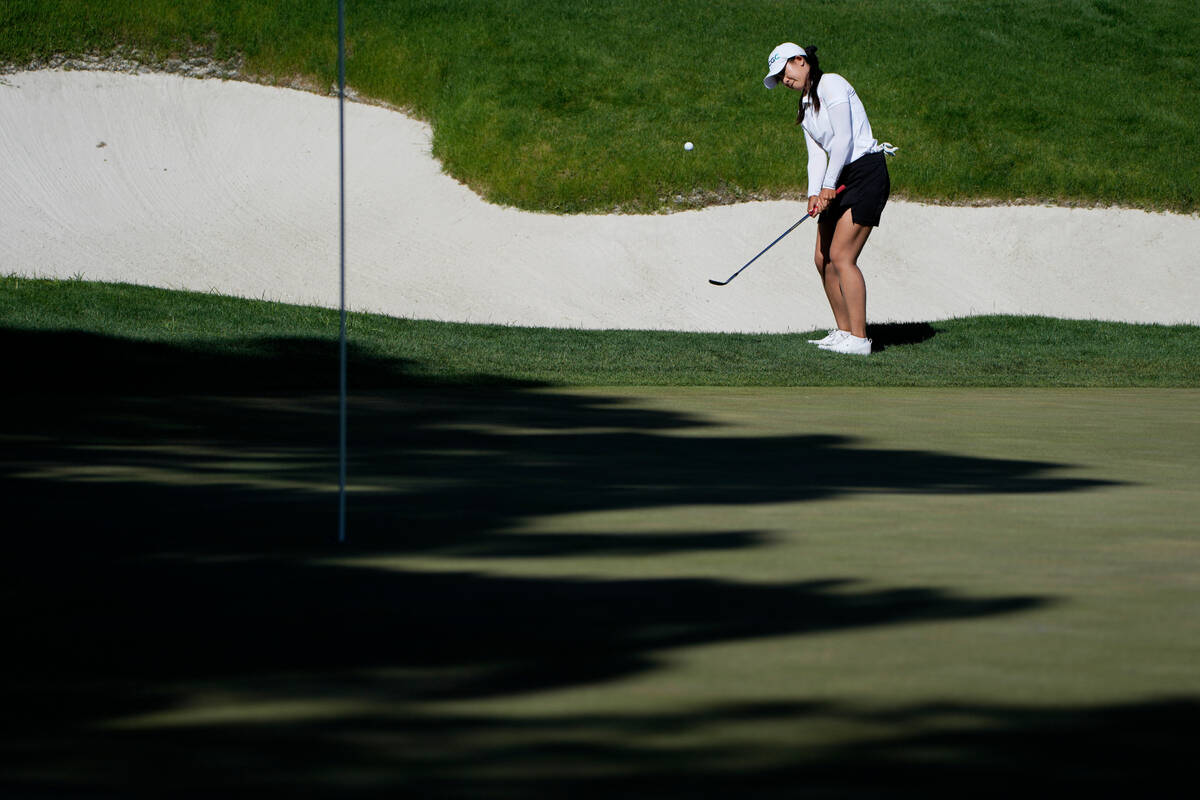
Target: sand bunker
232, 187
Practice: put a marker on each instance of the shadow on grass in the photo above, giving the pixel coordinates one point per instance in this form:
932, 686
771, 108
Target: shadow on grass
897, 334
170, 522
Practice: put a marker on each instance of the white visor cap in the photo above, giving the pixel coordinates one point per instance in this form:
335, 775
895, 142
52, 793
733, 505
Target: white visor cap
778, 60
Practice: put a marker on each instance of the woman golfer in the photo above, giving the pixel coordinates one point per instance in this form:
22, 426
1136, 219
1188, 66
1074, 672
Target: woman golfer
841, 151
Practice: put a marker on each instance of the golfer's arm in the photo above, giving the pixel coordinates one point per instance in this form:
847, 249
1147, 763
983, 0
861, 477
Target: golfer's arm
839, 148
816, 165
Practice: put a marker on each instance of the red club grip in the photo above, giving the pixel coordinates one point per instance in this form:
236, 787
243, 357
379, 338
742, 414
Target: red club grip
840, 189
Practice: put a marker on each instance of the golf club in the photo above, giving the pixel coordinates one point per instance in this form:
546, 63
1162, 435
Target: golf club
768, 247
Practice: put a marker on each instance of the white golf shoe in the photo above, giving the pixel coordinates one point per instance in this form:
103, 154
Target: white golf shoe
834, 335
851, 345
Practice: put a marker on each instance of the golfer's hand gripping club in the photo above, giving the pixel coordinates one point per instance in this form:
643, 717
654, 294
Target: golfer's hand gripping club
768, 247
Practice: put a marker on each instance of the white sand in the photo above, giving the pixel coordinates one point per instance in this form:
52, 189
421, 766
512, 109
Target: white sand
232, 187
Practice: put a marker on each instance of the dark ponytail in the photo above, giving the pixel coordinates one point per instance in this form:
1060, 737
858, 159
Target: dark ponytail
810, 89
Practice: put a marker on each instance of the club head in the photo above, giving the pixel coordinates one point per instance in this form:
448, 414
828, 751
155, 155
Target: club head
717, 283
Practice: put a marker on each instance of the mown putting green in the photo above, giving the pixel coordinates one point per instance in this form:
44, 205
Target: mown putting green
633, 592
1079, 506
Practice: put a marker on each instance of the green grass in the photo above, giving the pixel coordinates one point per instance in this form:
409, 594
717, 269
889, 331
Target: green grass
584, 106
660, 592
975, 351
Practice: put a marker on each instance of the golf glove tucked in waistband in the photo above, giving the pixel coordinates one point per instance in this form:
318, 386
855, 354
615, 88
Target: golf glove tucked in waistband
887, 148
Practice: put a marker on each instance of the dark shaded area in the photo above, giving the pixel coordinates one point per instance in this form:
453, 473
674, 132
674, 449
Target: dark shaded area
896, 334
168, 520
942, 751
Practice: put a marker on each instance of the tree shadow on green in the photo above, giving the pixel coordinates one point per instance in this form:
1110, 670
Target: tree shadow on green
170, 525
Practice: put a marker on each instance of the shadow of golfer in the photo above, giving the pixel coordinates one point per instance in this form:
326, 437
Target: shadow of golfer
899, 334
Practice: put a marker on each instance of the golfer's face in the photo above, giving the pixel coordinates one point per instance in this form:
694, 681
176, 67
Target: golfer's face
795, 74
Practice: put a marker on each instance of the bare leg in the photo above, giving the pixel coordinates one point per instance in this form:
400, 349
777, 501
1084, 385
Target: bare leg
829, 278
838, 248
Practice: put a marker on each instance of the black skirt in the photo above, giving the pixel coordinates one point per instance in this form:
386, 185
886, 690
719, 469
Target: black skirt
867, 188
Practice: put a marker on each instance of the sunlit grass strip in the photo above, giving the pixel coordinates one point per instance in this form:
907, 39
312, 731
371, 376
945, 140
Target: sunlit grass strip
975, 351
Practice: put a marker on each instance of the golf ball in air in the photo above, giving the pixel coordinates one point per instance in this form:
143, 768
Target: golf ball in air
688, 145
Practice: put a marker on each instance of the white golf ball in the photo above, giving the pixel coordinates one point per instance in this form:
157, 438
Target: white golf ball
688, 145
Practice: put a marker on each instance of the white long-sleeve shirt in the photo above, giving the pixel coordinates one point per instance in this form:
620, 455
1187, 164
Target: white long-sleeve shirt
838, 135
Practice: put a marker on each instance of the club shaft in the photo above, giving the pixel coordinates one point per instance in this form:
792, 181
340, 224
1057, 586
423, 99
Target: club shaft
772, 244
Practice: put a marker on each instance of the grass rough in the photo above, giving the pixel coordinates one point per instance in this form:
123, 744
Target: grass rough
1000, 351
